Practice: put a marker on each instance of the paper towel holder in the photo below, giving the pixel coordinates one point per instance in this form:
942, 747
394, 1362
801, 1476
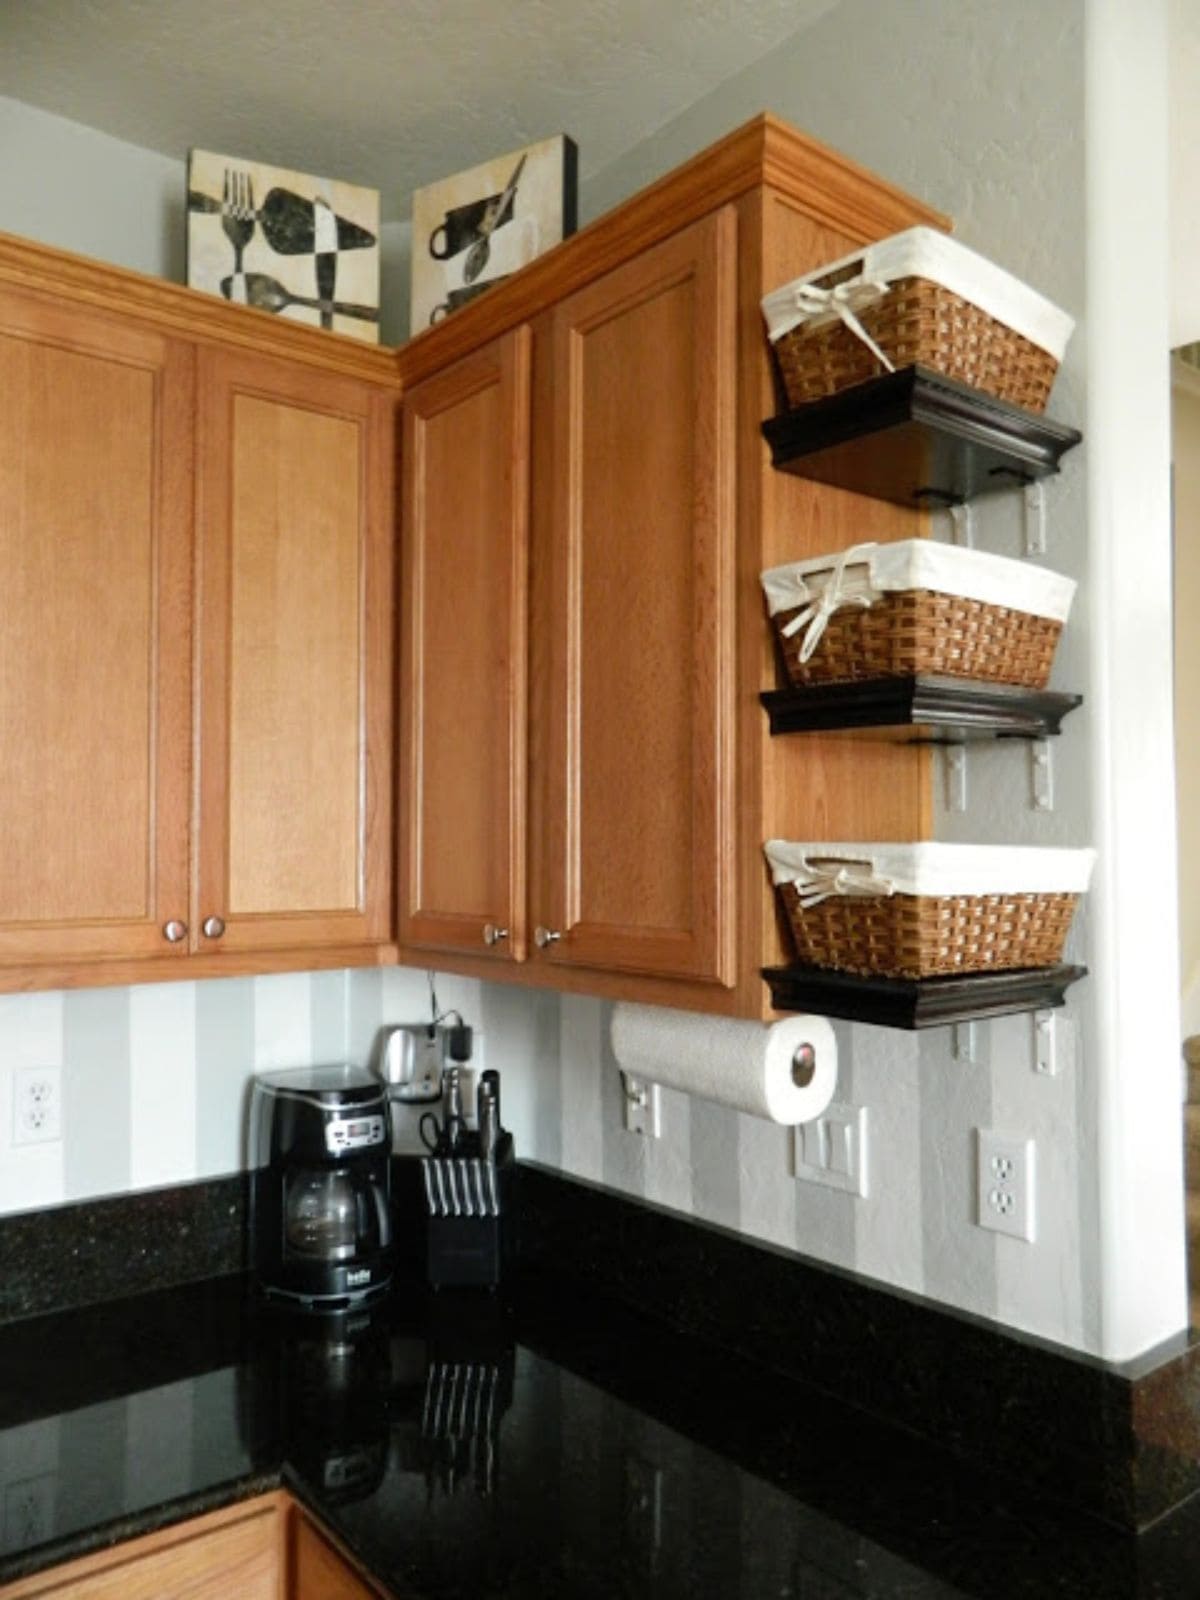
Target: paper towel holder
804, 1064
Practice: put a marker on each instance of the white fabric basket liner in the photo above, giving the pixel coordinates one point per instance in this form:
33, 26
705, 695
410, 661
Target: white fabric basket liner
871, 570
821, 870
863, 277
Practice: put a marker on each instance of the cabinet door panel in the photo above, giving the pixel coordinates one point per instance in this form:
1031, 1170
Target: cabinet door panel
462, 695
639, 791
295, 585
95, 560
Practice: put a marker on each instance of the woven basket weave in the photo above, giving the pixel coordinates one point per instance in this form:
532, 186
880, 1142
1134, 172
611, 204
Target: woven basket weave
918, 320
926, 936
920, 630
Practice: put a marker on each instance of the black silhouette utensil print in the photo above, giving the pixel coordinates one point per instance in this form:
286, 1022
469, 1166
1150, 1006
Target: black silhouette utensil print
288, 222
237, 213
477, 255
268, 294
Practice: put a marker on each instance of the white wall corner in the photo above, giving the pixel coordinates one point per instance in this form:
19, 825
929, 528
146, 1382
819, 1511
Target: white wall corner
1134, 1029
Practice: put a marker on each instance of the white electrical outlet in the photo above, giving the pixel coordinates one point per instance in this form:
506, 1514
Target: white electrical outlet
37, 1105
1005, 1184
832, 1149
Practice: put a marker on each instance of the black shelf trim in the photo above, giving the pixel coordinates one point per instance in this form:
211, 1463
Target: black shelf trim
935, 708
919, 1002
948, 442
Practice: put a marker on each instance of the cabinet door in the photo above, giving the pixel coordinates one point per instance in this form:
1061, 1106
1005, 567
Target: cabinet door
462, 682
639, 536
295, 527
195, 1561
318, 1571
95, 572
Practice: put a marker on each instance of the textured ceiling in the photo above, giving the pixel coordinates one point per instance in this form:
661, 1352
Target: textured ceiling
389, 93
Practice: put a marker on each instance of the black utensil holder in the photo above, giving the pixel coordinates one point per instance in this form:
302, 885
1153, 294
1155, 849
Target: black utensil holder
470, 1217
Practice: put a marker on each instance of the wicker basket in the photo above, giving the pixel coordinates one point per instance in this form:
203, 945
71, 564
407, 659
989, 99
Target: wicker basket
918, 297
898, 933
914, 606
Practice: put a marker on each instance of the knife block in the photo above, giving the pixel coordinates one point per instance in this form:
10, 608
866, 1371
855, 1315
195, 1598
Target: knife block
470, 1217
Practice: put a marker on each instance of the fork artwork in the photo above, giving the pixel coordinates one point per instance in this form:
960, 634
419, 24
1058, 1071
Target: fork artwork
238, 214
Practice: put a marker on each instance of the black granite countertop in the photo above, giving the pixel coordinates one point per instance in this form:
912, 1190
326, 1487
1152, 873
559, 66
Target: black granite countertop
554, 1445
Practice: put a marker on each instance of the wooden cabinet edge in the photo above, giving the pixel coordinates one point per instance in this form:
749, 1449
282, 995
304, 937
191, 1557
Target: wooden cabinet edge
746, 998
60, 1579
188, 313
300, 1521
183, 968
287, 1513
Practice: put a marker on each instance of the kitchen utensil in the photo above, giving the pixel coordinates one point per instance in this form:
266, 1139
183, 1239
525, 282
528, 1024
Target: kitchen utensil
237, 218
289, 225
325, 227
268, 294
460, 297
477, 256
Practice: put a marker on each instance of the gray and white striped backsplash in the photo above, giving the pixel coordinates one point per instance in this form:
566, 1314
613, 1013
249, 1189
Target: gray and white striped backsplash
155, 1082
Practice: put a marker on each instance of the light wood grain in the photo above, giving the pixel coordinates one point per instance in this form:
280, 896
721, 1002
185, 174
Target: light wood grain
319, 1571
95, 551
464, 601
64, 972
233, 1552
171, 309
636, 856
812, 786
294, 631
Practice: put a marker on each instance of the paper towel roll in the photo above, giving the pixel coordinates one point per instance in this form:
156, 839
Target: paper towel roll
745, 1065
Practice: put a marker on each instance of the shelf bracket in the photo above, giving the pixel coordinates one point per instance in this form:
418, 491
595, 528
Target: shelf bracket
1045, 1044
965, 1042
1035, 518
955, 758
962, 521
1041, 774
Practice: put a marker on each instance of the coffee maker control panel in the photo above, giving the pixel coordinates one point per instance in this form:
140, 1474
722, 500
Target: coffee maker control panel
352, 1133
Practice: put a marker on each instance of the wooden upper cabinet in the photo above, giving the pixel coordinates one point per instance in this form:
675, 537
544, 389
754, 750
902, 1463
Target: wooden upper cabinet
294, 627
637, 537
95, 573
465, 514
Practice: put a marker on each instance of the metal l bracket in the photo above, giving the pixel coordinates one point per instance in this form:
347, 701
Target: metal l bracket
962, 519
1041, 775
1035, 518
955, 757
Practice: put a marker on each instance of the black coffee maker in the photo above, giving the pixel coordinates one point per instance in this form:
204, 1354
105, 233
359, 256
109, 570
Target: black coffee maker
320, 1210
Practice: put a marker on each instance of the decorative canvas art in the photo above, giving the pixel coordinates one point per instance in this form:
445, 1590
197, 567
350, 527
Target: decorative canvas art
474, 229
306, 248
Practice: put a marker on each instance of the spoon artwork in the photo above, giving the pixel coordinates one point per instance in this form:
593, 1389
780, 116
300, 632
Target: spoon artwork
268, 294
500, 212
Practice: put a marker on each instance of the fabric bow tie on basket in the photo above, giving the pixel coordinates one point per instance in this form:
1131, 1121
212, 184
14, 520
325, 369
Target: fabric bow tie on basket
835, 594
844, 301
822, 879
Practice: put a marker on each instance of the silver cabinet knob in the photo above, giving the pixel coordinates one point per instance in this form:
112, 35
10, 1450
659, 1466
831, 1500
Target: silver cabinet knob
492, 934
212, 928
544, 936
174, 931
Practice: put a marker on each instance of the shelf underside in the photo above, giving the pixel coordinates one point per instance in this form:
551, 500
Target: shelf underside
917, 438
923, 708
919, 1002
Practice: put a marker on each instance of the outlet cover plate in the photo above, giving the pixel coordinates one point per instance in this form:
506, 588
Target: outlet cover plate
1005, 1197
37, 1105
832, 1149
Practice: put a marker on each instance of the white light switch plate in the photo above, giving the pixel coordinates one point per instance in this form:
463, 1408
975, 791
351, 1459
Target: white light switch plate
832, 1149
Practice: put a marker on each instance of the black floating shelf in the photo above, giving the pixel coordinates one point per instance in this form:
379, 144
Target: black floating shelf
917, 438
925, 708
919, 1002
